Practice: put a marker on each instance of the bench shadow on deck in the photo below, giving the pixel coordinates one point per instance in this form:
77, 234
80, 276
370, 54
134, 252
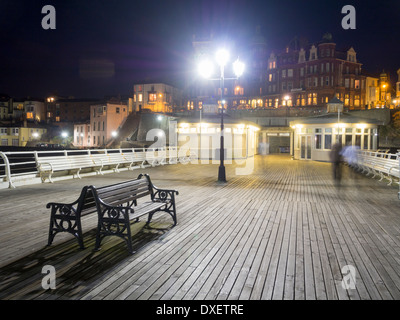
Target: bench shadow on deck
76, 269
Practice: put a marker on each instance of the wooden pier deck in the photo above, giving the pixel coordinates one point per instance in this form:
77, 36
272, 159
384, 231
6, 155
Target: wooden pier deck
282, 232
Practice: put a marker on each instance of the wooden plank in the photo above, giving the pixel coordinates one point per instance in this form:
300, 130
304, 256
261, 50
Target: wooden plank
284, 232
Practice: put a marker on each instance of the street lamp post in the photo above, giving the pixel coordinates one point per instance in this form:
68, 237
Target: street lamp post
205, 68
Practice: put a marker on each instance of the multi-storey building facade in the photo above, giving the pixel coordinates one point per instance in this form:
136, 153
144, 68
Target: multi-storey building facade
313, 76
20, 135
67, 110
105, 119
302, 75
371, 92
156, 97
34, 110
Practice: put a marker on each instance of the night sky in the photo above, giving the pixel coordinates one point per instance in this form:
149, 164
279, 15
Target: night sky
104, 47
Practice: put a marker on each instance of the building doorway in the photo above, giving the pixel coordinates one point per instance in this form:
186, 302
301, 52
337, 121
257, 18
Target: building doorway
305, 147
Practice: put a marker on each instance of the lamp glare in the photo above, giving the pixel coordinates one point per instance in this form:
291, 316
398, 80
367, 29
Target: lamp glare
238, 68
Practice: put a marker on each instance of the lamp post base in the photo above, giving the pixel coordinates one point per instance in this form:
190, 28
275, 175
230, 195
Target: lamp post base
221, 174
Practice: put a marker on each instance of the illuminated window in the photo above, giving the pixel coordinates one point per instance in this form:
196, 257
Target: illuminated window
312, 98
152, 97
303, 100
140, 97
356, 100
346, 100
239, 91
29, 115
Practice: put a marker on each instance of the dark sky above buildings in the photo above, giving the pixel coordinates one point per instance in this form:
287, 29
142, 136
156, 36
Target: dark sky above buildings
103, 47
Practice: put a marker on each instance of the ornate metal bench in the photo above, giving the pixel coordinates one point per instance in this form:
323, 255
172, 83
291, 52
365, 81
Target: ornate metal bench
117, 205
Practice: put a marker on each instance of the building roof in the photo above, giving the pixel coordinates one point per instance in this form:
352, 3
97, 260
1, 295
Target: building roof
333, 118
217, 120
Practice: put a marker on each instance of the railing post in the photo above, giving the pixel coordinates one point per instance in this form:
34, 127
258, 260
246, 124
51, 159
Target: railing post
8, 170
398, 158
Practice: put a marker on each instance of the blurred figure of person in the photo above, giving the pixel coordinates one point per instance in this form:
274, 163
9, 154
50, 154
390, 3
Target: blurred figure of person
349, 154
336, 159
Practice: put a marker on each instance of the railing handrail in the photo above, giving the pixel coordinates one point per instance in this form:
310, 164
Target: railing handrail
20, 163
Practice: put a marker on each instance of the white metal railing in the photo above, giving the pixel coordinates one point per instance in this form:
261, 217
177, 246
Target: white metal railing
385, 165
25, 163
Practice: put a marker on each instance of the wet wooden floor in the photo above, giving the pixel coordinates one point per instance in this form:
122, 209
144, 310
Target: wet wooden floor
283, 231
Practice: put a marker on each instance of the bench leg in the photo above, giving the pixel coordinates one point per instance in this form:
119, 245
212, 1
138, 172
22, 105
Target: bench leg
46, 175
108, 226
171, 210
63, 219
173, 214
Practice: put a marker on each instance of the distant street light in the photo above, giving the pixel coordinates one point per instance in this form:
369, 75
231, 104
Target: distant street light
64, 134
114, 134
206, 70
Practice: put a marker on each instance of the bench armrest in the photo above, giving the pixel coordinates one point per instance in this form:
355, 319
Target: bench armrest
110, 212
39, 166
68, 206
64, 209
164, 195
169, 191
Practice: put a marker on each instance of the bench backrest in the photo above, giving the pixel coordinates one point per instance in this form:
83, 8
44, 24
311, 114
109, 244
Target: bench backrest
57, 162
124, 193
